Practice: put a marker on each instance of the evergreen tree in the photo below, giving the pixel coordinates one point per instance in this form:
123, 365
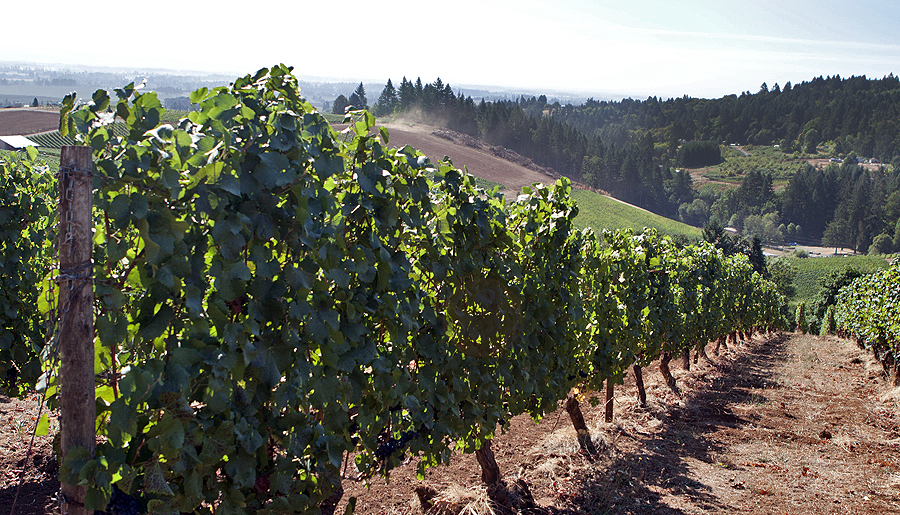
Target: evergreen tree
882, 244
837, 232
897, 237
756, 189
358, 99
407, 94
388, 101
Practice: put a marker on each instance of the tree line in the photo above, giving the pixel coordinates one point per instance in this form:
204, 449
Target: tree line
846, 205
634, 149
529, 127
855, 114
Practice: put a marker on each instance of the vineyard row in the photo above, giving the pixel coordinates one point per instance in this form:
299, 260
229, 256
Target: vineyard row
868, 310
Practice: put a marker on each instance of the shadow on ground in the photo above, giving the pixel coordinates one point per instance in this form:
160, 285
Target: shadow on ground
636, 483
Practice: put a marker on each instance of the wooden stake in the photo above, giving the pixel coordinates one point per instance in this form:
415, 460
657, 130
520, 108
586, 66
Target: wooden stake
610, 387
76, 321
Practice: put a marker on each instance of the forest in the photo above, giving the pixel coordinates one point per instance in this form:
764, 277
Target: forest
635, 151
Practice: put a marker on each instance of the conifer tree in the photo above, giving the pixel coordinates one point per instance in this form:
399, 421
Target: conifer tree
388, 101
358, 98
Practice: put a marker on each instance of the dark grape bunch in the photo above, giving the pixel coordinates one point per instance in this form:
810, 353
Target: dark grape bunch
122, 504
388, 448
581, 374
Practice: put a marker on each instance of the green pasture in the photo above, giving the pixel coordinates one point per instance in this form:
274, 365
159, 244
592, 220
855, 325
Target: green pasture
599, 212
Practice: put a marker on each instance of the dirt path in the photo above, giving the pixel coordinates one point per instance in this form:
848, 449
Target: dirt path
789, 424
797, 425
482, 160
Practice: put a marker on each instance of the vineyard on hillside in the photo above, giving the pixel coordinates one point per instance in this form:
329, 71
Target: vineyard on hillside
273, 298
811, 271
52, 140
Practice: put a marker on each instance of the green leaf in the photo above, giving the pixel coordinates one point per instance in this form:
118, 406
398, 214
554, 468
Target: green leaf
158, 323
155, 481
199, 95
328, 165
274, 170
95, 499
43, 426
68, 104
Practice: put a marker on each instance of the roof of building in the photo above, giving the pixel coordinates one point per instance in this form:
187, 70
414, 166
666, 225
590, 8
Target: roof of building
18, 141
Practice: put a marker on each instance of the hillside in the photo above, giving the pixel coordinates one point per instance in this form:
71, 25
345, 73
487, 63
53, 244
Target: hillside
490, 162
602, 212
634, 150
514, 171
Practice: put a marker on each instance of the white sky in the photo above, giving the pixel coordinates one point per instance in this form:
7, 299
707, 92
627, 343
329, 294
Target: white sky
705, 48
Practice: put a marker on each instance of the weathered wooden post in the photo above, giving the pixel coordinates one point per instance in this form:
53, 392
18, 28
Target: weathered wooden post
610, 391
76, 317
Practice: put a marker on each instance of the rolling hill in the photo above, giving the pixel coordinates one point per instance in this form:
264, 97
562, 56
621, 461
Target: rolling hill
514, 171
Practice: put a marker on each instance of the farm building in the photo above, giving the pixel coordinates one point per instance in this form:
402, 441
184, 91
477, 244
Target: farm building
15, 143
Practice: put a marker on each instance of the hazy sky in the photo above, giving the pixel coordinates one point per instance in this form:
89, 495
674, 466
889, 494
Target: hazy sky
704, 48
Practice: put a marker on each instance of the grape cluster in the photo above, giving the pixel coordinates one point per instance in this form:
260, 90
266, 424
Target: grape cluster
122, 504
388, 448
581, 373
408, 437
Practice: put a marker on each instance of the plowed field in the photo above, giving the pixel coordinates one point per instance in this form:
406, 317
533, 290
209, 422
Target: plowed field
27, 121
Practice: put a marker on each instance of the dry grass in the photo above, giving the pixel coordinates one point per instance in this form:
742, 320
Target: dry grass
456, 499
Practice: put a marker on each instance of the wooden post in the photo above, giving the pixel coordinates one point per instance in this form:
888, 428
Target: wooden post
77, 411
610, 386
